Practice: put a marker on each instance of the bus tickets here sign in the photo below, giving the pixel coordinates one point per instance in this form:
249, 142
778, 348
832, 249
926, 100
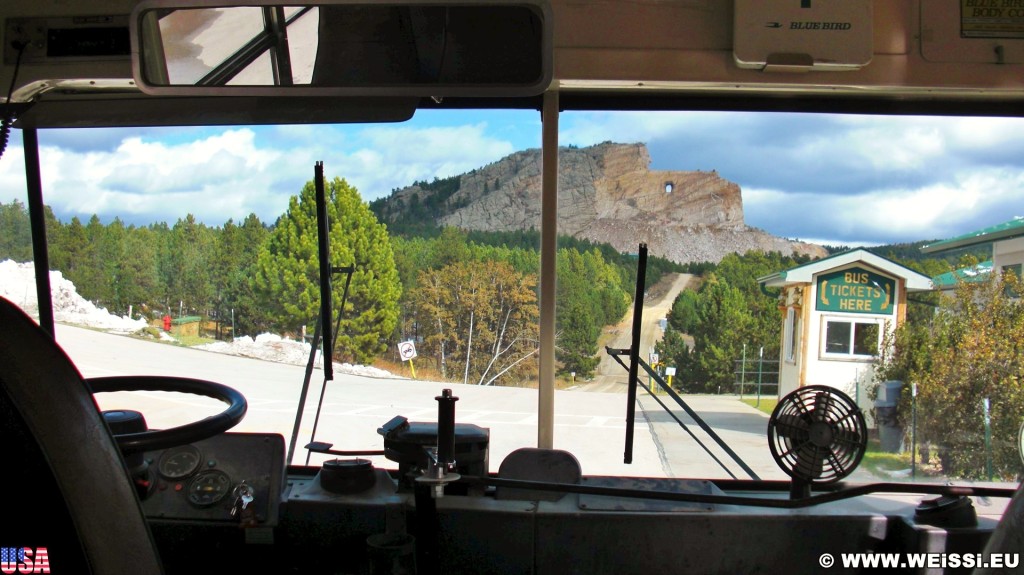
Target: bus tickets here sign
855, 290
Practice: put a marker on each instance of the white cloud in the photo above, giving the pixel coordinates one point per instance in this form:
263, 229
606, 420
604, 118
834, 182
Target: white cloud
393, 157
891, 147
214, 177
846, 178
968, 202
12, 174
238, 171
588, 128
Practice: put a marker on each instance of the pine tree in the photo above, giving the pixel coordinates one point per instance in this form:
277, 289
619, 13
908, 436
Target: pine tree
190, 283
15, 234
287, 271
238, 248
138, 279
577, 320
86, 267
724, 324
74, 255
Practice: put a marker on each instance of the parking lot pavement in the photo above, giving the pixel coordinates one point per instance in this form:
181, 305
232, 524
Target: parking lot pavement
741, 427
589, 425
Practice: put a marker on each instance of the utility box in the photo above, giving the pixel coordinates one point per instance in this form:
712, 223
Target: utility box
802, 35
890, 433
186, 326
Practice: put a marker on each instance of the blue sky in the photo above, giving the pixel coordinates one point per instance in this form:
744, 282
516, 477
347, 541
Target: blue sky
840, 179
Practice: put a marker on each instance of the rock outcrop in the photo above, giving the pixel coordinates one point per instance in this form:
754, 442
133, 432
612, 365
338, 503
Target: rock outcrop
607, 193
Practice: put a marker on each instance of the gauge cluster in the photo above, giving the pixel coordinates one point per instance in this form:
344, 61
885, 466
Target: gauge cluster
208, 480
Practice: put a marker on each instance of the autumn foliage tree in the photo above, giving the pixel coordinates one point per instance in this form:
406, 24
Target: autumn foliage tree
479, 319
972, 351
590, 293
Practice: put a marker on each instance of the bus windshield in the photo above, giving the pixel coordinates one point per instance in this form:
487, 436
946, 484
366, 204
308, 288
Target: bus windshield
782, 251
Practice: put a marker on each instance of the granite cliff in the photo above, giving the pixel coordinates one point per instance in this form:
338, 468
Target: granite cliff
607, 193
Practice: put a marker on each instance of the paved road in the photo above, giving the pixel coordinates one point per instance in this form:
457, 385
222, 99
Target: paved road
590, 425
610, 376
741, 427
354, 406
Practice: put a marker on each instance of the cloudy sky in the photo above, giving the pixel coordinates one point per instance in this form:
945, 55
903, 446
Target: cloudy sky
838, 179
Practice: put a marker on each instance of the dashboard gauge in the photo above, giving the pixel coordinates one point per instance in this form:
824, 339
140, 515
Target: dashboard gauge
179, 462
208, 487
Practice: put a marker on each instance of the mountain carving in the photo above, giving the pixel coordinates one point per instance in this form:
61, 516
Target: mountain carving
606, 193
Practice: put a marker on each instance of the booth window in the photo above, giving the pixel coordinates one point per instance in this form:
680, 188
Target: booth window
851, 338
792, 337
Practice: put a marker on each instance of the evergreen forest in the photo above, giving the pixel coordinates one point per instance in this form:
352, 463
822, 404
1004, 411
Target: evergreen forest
469, 299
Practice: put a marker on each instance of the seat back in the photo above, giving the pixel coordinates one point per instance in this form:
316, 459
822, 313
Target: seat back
536, 464
64, 476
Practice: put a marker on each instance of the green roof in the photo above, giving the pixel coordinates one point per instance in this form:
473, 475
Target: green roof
186, 319
972, 274
1004, 231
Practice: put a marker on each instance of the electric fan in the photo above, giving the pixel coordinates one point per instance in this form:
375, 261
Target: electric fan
817, 435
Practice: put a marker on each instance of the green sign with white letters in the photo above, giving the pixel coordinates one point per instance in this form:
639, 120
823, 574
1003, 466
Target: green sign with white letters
856, 290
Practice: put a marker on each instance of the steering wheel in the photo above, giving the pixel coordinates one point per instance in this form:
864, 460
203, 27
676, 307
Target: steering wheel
183, 434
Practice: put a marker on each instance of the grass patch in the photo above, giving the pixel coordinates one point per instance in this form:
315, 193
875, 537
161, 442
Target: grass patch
425, 370
881, 463
767, 403
193, 340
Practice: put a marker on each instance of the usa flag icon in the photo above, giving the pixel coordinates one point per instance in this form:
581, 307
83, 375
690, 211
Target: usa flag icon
24, 560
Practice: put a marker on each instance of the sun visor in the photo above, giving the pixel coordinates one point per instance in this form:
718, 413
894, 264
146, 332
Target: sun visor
802, 35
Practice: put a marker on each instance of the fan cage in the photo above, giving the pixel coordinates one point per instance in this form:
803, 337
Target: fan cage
817, 434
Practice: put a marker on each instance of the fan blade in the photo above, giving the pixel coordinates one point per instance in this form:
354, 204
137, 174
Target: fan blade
847, 439
809, 461
792, 427
838, 466
822, 406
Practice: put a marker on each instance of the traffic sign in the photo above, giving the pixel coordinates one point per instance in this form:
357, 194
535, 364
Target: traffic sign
407, 350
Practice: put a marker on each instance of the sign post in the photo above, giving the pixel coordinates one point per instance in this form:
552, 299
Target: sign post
650, 380
743, 370
760, 366
913, 431
988, 437
407, 351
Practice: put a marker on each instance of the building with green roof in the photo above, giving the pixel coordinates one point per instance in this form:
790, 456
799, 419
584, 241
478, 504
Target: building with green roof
947, 282
1007, 240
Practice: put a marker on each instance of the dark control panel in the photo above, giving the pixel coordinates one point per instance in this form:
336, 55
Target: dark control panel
230, 478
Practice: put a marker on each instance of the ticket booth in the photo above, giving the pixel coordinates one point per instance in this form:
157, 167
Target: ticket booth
836, 312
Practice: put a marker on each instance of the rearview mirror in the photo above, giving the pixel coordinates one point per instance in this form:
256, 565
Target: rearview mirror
342, 48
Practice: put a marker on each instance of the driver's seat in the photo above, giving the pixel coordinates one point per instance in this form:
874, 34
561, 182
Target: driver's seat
67, 489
